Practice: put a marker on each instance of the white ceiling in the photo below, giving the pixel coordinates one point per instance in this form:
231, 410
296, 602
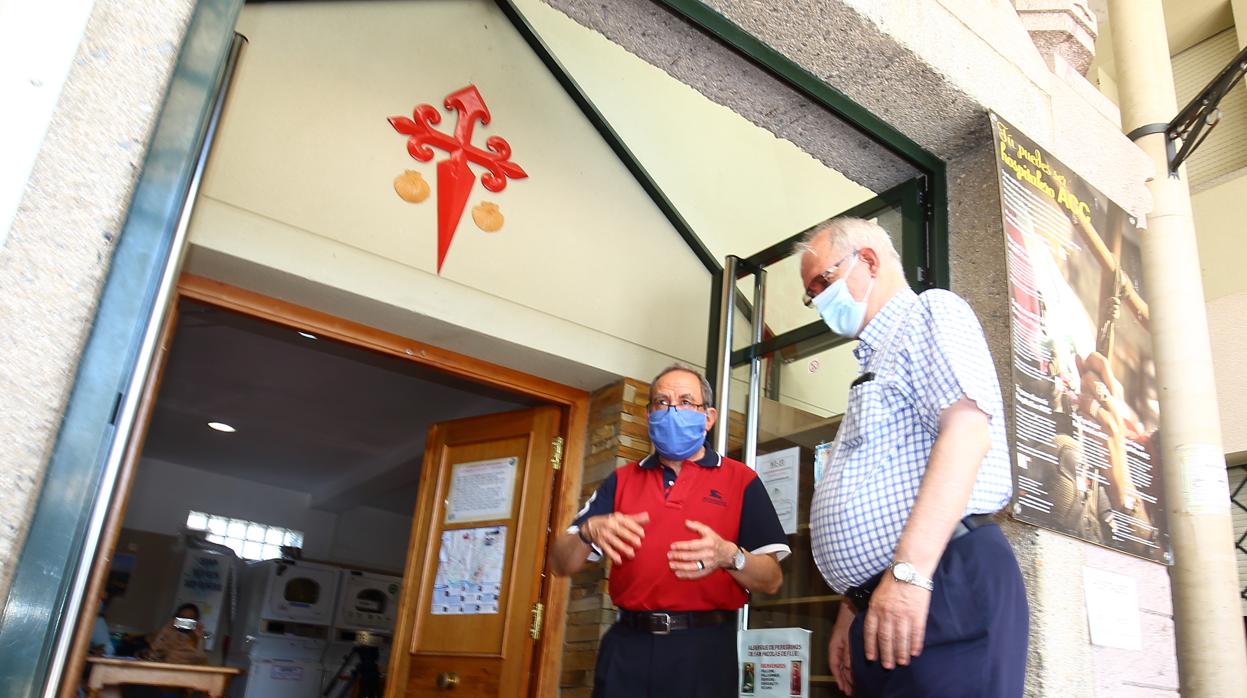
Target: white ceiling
344, 424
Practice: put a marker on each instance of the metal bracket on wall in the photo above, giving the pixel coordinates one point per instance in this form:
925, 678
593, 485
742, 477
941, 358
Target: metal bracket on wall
1192, 126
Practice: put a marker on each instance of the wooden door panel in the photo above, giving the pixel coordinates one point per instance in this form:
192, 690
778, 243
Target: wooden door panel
489, 653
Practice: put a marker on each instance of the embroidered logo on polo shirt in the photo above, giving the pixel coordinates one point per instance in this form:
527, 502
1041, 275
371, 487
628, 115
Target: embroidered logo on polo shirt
714, 498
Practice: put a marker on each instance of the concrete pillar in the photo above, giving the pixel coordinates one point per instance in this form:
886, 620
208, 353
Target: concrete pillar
1239, 8
1212, 656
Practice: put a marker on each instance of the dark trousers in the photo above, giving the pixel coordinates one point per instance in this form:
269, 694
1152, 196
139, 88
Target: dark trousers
975, 645
693, 663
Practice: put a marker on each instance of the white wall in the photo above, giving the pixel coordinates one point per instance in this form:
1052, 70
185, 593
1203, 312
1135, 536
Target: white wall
37, 45
372, 538
164, 492
585, 267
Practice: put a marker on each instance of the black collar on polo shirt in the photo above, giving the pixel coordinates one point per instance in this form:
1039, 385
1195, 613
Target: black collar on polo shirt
709, 460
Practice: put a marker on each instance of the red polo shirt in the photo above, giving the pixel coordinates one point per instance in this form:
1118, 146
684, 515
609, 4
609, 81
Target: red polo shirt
722, 493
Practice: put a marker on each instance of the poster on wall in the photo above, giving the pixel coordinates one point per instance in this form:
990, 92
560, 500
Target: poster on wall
469, 571
774, 662
1086, 409
780, 473
206, 574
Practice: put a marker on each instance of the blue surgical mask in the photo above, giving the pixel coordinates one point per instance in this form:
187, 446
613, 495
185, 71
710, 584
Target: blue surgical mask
677, 434
842, 313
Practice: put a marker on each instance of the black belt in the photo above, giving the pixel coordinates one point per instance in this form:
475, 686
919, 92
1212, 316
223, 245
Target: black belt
859, 597
663, 622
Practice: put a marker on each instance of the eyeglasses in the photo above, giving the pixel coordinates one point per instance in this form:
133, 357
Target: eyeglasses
823, 280
683, 403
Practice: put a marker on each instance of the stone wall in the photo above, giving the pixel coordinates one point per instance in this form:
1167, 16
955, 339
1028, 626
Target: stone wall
617, 435
55, 258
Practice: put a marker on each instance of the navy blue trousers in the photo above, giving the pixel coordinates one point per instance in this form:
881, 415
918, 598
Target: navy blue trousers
693, 663
975, 645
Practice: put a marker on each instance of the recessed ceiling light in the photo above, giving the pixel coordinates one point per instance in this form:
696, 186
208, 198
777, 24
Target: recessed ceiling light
222, 426
308, 335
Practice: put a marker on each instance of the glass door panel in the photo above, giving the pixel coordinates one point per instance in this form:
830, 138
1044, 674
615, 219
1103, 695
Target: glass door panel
786, 389
801, 408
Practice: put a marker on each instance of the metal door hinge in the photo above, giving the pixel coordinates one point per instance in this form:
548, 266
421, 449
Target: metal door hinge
556, 452
539, 615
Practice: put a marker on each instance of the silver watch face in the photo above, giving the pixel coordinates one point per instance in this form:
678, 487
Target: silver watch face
904, 572
738, 562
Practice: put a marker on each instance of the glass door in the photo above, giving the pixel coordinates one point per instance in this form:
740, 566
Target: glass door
782, 381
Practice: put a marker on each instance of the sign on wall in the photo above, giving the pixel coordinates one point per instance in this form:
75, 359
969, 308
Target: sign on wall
1086, 410
455, 177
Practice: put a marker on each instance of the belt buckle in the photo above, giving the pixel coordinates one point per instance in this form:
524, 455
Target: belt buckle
858, 598
666, 623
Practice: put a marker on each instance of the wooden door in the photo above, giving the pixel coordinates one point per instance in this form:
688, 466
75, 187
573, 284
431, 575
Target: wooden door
454, 640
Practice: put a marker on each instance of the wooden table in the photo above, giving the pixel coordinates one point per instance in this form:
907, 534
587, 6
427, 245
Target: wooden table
107, 671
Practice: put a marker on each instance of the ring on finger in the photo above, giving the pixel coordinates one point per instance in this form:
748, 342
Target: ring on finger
701, 565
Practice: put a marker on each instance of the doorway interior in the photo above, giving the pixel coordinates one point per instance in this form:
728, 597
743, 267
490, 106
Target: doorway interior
284, 456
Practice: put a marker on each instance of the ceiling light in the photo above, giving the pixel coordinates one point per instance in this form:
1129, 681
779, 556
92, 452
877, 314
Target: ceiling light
222, 426
308, 335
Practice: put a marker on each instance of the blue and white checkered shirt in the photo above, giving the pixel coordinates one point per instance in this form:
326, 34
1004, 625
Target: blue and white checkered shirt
918, 355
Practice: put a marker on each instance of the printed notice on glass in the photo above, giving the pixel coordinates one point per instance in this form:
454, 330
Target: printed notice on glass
774, 663
780, 473
469, 571
481, 490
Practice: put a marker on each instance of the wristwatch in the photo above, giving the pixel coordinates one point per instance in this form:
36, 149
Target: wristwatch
738, 560
905, 572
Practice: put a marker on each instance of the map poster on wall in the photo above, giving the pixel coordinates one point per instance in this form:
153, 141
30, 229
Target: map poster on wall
469, 571
780, 473
774, 662
481, 490
1085, 403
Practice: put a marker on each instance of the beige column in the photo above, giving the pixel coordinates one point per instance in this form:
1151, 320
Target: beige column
1239, 7
1212, 656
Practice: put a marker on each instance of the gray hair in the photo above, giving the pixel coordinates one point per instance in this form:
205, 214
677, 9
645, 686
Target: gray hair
849, 234
707, 393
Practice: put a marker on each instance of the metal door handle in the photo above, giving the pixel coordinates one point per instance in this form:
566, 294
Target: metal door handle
447, 680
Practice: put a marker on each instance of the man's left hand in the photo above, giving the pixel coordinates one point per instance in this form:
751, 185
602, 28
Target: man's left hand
896, 622
710, 550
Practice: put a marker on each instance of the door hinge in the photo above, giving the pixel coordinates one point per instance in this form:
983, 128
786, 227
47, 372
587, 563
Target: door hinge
539, 616
556, 452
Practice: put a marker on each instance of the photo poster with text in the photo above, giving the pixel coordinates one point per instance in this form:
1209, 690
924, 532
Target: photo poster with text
774, 662
206, 575
470, 563
1086, 407
780, 473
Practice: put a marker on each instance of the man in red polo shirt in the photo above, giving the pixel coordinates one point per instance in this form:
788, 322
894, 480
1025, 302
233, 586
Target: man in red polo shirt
689, 533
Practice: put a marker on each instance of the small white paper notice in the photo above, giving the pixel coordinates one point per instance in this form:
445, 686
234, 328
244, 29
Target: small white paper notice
774, 663
481, 490
1206, 486
1112, 609
780, 473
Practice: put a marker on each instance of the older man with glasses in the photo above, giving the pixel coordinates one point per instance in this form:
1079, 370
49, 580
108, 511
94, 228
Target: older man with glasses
689, 533
901, 518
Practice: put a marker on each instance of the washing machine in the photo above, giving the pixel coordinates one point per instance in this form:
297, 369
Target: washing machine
286, 613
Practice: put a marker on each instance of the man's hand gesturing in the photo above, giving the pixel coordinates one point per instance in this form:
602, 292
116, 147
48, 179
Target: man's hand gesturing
617, 535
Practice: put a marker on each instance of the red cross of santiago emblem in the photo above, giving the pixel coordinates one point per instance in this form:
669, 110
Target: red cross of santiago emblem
455, 177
